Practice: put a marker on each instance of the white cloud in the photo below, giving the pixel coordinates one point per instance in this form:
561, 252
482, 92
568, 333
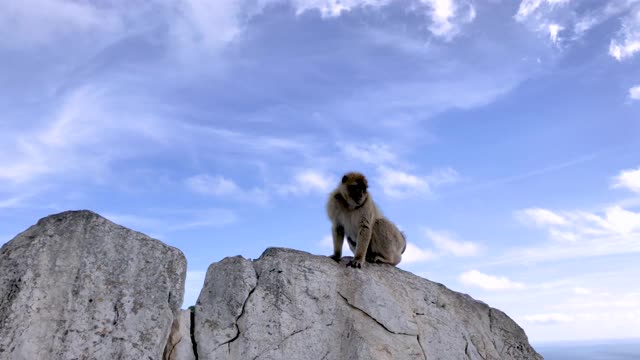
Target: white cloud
376, 154
12, 202
307, 181
628, 179
218, 185
161, 221
475, 278
634, 93
446, 243
581, 291
550, 318
335, 8
560, 235
627, 42
551, 17
400, 184
414, 254
576, 234
82, 138
447, 16
621, 221
541, 217
214, 185
583, 225
39, 22
195, 27
205, 25
554, 30
529, 7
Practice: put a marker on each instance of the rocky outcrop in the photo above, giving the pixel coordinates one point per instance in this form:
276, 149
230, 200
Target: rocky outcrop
292, 305
77, 286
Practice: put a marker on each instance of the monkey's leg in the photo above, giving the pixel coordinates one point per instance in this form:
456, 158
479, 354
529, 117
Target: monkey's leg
385, 243
364, 238
337, 231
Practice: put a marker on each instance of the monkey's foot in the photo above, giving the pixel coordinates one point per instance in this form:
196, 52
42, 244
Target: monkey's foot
335, 258
357, 264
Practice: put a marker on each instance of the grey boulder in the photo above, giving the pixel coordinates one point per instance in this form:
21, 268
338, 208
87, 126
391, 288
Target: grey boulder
292, 305
77, 286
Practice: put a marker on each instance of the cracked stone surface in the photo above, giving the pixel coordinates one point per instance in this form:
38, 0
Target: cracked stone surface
77, 286
290, 304
221, 305
180, 345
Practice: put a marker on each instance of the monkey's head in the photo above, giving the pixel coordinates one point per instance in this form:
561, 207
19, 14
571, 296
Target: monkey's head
354, 188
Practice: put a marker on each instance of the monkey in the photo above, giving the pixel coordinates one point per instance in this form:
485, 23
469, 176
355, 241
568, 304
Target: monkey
354, 214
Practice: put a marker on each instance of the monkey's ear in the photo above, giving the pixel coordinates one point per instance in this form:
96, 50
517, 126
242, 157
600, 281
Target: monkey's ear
344, 179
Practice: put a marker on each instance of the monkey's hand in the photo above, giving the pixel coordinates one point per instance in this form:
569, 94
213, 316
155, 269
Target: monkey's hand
335, 258
355, 263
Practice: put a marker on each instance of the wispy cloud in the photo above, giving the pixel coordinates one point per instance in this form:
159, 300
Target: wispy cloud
582, 291
574, 20
541, 217
475, 278
373, 153
634, 93
39, 22
162, 221
82, 138
614, 221
414, 254
217, 185
628, 179
577, 233
12, 202
448, 244
554, 30
307, 181
448, 16
528, 8
391, 175
213, 217
627, 42
548, 319
400, 184
531, 174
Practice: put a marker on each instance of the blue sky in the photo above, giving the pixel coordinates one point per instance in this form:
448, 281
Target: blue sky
501, 136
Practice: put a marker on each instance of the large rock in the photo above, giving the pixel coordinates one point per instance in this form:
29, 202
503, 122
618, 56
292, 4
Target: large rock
77, 286
180, 343
292, 305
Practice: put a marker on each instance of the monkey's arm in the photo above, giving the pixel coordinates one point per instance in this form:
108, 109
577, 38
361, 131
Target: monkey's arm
364, 238
338, 239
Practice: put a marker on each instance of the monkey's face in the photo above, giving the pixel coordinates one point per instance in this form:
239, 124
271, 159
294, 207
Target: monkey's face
355, 188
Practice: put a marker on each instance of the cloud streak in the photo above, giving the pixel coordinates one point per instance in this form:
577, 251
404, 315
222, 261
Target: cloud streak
447, 244
627, 42
628, 179
400, 184
475, 278
634, 93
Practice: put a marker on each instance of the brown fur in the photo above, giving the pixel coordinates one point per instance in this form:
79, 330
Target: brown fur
370, 235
